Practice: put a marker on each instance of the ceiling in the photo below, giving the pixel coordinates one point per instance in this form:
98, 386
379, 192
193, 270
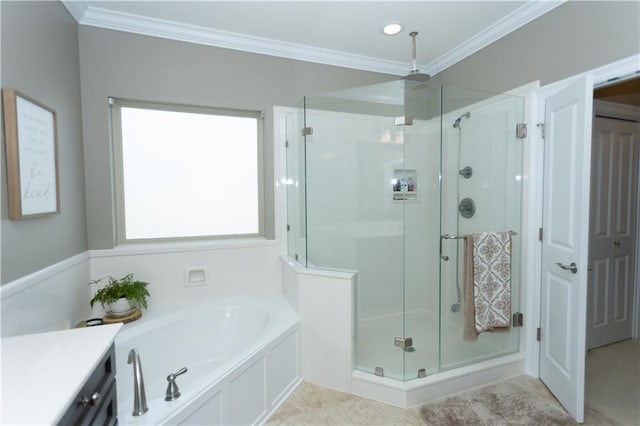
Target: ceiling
625, 92
341, 33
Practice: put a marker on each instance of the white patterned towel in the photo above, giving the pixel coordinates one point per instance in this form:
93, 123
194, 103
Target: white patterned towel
491, 280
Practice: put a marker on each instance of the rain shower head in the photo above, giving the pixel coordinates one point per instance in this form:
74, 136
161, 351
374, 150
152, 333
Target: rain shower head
414, 73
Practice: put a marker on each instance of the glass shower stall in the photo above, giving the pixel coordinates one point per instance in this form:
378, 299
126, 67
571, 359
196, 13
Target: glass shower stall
386, 181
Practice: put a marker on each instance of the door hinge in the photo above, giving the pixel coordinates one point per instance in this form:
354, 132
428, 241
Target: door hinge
288, 227
518, 319
540, 234
538, 333
307, 131
403, 121
286, 144
541, 126
521, 130
403, 342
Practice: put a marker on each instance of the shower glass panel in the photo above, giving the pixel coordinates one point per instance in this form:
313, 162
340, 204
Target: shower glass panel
353, 220
376, 176
481, 191
295, 184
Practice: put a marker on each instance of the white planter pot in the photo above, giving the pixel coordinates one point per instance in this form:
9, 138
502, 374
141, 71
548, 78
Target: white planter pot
120, 306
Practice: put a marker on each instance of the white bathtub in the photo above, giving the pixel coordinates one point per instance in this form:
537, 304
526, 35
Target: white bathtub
241, 355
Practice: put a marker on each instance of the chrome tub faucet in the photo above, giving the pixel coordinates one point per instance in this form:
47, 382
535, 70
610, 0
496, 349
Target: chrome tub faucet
172, 388
139, 397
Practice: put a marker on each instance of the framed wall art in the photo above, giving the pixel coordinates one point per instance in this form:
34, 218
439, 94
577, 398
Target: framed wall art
32, 156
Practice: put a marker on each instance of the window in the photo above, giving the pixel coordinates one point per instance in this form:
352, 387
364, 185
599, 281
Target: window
186, 172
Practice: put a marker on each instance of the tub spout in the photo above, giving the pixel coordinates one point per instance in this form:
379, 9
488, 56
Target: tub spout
139, 397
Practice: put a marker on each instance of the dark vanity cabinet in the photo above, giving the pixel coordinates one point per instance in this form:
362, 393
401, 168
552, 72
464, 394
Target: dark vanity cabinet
96, 403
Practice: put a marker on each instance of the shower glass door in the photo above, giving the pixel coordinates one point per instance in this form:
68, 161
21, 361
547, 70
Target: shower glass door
481, 191
422, 228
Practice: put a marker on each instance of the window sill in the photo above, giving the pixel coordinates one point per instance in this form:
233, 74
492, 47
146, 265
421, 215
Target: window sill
181, 247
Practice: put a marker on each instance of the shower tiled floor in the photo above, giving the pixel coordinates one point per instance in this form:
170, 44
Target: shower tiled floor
374, 346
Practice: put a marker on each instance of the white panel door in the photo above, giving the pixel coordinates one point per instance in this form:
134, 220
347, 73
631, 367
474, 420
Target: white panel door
613, 231
565, 243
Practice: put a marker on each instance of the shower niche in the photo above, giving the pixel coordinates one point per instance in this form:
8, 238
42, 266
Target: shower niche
404, 185
374, 195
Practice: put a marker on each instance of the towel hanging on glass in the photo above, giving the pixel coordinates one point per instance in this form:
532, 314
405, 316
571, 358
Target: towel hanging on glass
487, 282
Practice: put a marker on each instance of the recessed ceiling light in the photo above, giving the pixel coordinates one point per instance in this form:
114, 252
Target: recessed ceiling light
392, 29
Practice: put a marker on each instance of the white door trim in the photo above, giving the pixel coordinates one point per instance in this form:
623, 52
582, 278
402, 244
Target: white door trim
602, 76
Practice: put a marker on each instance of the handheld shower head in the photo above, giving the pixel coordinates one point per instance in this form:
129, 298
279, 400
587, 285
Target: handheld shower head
456, 124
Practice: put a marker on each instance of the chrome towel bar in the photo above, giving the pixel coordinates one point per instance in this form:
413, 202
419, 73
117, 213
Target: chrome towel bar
456, 237
461, 237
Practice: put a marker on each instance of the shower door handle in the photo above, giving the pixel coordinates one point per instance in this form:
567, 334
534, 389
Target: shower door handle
442, 256
573, 267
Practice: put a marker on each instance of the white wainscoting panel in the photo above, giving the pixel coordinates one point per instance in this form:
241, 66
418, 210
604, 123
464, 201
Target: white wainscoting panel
53, 298
240, 270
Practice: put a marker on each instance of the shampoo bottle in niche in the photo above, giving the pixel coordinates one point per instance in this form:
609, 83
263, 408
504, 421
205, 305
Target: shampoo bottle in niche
410, 184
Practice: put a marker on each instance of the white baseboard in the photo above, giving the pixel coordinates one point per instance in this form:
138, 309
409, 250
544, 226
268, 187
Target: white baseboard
418, 391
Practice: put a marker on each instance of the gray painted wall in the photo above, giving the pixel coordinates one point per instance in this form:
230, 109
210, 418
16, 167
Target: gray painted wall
40, 59
573, 38
145, 68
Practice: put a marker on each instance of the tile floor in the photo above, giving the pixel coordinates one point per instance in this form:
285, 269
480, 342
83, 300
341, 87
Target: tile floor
612, 398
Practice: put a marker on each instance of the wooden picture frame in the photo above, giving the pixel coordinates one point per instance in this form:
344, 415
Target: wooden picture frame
32, 156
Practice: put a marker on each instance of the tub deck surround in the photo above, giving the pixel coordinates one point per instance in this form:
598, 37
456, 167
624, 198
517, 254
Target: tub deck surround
43, 372
241, 355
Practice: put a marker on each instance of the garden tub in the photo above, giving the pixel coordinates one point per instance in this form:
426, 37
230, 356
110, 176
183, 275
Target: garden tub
241, 355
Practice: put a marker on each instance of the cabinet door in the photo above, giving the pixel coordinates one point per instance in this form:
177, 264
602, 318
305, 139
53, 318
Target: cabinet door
97, 398
107, 412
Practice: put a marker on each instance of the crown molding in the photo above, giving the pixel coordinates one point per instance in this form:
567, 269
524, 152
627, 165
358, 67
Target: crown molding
76, 8
107, 19
88, 15
515, 20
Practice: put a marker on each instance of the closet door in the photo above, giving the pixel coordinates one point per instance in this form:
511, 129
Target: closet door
614, 190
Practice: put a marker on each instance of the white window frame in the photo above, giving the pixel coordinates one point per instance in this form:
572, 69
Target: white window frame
115, 105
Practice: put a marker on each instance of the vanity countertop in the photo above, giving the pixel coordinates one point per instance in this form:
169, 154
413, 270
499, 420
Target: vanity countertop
41, 373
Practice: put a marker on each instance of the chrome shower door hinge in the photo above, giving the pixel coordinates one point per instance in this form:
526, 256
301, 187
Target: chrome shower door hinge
307, 131
403, 121
403, 342
521, 130
518, 319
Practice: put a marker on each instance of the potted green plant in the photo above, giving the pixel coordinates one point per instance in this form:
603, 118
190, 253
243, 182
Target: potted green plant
120, 295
